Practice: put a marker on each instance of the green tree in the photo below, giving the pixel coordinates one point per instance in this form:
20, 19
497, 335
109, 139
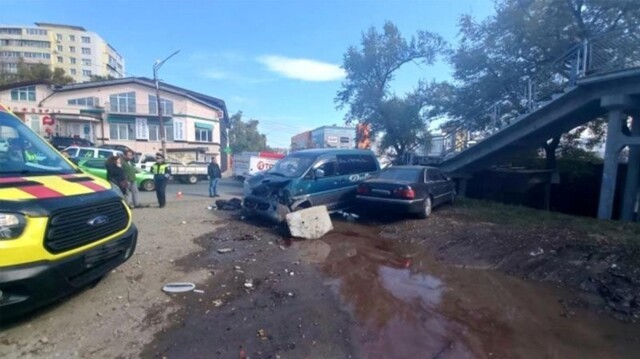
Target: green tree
495, 57
244, 135
60, 77
370, 69
35, 72
101, 78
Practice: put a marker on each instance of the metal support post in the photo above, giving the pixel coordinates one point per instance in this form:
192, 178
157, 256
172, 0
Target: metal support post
610, 171
633, 173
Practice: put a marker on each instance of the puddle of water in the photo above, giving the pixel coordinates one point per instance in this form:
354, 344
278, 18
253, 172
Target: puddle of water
420, 308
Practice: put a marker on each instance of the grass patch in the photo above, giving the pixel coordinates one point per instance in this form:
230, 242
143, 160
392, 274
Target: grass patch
524, 217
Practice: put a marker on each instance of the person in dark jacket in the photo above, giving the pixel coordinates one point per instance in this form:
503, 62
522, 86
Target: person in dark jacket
214, 172
116, 175
161, 173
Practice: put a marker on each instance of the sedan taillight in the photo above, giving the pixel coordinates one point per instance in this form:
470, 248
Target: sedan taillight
405, 192
362, 189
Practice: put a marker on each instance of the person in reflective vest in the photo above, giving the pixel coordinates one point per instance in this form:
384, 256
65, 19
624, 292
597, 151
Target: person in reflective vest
161, 173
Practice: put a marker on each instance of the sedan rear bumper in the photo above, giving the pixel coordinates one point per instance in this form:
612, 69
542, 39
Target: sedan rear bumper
389, 204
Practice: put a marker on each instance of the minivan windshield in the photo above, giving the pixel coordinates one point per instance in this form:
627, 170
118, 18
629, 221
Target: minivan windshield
292, 166
24, 153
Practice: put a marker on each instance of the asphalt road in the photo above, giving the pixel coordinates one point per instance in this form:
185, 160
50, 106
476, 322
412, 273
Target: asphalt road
227, 188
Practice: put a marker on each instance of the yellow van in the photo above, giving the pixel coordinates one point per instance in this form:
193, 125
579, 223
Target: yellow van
60, 229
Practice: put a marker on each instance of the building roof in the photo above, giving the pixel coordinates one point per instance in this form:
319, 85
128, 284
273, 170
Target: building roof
23, 84
334, 128
144, 81
60, 26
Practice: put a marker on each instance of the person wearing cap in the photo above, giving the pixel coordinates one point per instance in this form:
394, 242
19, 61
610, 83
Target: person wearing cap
161, 173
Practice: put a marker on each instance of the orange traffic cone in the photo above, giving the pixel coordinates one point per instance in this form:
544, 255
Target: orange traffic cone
179, 195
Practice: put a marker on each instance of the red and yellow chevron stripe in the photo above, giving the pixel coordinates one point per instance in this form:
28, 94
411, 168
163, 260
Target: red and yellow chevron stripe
42, 187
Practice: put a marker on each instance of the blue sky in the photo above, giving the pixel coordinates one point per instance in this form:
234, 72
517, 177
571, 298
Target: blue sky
276, 60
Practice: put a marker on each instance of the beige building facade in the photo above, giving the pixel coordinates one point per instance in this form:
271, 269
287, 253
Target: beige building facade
80, 53
123, 112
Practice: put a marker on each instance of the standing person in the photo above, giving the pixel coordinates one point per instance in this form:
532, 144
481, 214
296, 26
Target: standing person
116, 175
133, 196
213, 170
161, 173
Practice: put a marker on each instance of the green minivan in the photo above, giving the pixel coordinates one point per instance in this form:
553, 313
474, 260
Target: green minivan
309, 178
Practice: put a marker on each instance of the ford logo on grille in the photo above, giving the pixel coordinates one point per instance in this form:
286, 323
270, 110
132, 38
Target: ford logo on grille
98, 221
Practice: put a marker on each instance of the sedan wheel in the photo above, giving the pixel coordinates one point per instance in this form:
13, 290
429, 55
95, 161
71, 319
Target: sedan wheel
148, 185
426, 209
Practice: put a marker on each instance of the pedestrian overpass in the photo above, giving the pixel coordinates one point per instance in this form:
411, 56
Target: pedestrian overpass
599, 78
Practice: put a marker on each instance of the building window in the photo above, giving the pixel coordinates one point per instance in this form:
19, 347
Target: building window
24, 94
60, 48
166, 105
123, 102
154, 132
59, 37
84, 101
121, 131
72, 60
86, 62
86, 51
204, 132
72, 49
10, 31
36, 32
86, 73
72, 38
60, 59
73, 71
36, 55
86, 40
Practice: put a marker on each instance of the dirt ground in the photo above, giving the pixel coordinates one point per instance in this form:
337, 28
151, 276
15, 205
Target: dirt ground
457, 285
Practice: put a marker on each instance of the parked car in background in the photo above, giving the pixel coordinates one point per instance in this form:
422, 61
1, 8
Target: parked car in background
406, 189
76, 152
309, 178
96, 167
121, 148
61, 143
191, 173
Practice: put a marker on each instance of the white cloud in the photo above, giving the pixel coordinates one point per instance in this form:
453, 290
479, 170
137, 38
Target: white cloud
216, 74
302, 69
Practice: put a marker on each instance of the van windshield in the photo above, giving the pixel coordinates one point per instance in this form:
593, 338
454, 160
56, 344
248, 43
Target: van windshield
24, 153
292, 166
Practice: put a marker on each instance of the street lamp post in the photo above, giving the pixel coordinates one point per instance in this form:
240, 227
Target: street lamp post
156, 68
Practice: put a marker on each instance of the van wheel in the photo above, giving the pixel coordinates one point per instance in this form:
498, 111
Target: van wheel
192, 179
427, 207
148, 185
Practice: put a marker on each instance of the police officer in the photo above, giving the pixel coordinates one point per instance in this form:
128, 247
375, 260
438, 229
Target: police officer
161, 173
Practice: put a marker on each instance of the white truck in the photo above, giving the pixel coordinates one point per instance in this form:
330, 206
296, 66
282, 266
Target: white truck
247, 164
181, 172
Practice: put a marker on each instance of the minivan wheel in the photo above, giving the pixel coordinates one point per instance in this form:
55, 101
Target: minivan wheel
148, 185
427, 207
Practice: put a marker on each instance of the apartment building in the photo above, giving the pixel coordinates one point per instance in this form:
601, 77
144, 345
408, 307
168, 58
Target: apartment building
124, 111
80, 53
325, 137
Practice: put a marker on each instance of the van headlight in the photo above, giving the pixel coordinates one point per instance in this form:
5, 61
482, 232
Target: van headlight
11, 225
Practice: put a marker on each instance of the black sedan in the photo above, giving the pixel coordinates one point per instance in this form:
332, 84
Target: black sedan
406, 189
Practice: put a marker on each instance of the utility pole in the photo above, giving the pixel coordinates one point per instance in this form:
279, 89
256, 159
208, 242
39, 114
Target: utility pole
156, 68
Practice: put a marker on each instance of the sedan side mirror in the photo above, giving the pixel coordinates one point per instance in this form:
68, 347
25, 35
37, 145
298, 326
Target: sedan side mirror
319, 173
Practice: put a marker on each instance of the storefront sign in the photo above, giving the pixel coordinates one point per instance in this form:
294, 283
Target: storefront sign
47, 120
142, 129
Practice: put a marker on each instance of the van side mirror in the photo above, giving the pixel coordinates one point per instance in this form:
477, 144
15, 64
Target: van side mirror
319, 173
